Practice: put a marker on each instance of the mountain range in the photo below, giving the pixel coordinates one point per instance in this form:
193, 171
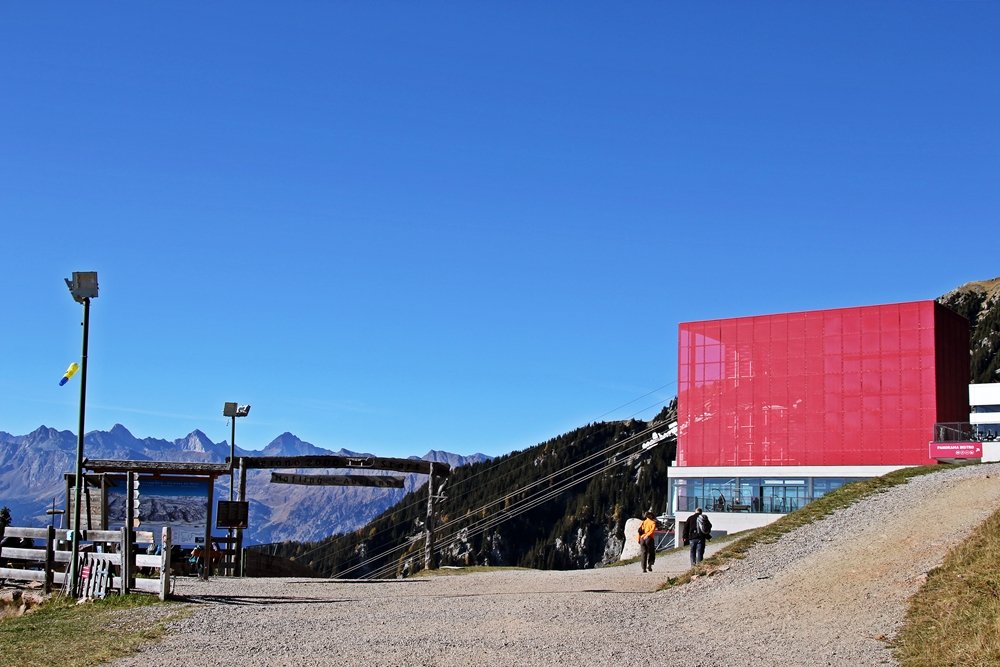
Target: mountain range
578, 530
32, 469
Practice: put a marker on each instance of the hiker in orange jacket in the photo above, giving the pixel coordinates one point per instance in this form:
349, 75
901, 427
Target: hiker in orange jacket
647, 542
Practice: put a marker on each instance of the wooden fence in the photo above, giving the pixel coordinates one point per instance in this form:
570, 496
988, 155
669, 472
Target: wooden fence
107, 560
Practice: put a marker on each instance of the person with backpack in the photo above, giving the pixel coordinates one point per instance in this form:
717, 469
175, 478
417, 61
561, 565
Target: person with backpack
647, 541
697, 529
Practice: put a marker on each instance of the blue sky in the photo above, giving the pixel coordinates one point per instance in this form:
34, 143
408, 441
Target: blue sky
395, 227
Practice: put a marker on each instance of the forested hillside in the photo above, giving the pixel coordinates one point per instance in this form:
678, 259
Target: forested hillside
979, 302
584, 485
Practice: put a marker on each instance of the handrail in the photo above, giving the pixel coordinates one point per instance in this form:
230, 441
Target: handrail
966, 432
766, 505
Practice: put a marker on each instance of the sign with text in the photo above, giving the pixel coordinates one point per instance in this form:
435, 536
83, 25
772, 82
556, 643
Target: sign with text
956, 450
418, 466
381, 481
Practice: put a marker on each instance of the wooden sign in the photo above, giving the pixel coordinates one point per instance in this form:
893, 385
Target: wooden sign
418, 466
382, 481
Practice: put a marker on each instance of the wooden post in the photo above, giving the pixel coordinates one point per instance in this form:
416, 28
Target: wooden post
165, 563
104, 501
67, 508
429, 541
206, 552
238, 556
128, 550
90, 511
50, 558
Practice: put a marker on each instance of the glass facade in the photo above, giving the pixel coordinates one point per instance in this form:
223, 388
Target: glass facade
851, 386
777, 495
985, 412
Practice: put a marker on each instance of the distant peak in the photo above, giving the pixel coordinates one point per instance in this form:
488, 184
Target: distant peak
44, 430
287, 444
196, 441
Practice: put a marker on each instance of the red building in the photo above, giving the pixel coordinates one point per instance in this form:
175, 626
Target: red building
812, 399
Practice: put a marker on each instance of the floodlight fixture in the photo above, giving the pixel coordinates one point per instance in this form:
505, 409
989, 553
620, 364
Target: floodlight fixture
83, 285
235, 410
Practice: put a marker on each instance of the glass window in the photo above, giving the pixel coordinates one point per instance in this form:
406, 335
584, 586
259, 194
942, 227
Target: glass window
987, 432
678, 487
824, 485
713, 494
783, 495
720, 492
750, 493
689, 495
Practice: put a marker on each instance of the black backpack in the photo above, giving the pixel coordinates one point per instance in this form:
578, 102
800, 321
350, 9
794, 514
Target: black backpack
704, 528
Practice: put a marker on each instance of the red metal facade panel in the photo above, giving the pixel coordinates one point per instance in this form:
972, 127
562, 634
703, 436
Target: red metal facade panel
952, 343
851, 386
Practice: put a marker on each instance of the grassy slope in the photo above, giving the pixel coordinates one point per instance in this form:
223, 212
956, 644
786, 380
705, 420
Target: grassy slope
65, 634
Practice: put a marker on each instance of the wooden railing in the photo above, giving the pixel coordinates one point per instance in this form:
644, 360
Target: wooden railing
108, 559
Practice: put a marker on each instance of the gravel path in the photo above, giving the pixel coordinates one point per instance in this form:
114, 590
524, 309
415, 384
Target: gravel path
831, 593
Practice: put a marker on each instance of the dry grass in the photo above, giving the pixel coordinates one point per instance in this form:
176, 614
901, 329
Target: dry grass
955, 617
63, 633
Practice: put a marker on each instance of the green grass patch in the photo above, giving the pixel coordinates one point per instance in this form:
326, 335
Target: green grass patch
843, 497
62, 633
954, 619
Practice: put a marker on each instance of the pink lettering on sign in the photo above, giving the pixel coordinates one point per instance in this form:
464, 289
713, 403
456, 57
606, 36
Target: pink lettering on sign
956, 450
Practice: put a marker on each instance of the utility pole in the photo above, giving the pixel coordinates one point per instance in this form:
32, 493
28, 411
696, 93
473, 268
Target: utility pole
233, 410
429, 525
239, 531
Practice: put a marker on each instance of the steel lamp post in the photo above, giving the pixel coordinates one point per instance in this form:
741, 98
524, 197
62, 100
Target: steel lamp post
233, 410
83, 287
